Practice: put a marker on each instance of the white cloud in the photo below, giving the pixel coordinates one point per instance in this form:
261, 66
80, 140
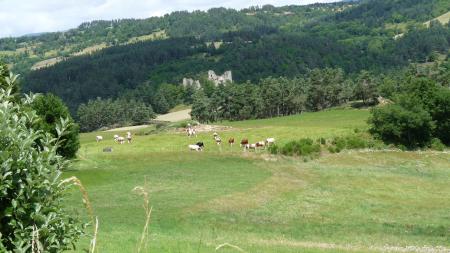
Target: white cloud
34, 16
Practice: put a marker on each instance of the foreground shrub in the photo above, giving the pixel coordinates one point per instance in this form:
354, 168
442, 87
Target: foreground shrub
31, 210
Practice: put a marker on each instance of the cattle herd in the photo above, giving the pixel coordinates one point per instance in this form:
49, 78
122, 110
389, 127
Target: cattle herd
118, 139
199, 146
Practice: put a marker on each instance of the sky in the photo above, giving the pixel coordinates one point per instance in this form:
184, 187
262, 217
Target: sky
20, 17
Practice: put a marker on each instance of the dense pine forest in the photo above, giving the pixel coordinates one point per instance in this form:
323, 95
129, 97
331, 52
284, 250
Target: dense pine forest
137, 57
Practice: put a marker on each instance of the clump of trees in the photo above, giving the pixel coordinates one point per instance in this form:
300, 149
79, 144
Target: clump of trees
100, 113
419, 116
51, 109
31, 210
318, 90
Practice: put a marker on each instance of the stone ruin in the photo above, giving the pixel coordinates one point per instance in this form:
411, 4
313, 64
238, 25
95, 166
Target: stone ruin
217, 80
223, 79
191, 82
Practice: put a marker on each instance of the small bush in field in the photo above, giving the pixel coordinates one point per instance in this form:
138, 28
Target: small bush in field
302, 147
274, 149
322, 141
437, 145
356, 142
351, 142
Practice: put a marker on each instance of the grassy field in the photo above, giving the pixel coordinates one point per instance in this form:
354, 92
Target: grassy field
355, 201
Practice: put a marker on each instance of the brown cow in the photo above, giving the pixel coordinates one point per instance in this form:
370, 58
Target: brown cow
231, 141
244, 142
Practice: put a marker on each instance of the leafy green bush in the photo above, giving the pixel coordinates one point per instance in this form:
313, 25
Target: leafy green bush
406, 123
31, 192
274, 149
421, 112
437, 145
302, 147
353, 141
51, 109
322, 141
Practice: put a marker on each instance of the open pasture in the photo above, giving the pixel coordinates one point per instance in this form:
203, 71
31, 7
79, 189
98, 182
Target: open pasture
348, 202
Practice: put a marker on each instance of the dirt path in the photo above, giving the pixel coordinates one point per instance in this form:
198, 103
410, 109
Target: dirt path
171, 117
175, 116
130, 128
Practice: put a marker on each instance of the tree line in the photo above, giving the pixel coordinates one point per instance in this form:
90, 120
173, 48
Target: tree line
273, 97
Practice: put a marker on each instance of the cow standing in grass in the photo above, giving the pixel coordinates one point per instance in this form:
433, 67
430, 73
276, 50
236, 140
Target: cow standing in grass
218, 140
260, 144
190, 131
121, 140
250, 147
99, 138
270, 141
244, 142
129, 137
231, 142
195, 147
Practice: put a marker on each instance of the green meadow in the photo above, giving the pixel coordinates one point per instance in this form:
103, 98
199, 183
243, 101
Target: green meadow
354, 201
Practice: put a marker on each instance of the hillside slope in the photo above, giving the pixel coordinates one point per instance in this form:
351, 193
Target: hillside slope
254, 43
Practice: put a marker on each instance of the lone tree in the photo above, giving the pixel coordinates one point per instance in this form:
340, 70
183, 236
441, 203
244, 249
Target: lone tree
51, 109
32, 218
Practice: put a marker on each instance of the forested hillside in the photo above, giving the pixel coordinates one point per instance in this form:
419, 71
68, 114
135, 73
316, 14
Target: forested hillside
379, 36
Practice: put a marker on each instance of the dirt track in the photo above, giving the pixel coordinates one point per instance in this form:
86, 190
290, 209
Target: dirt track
175, 116
171, 117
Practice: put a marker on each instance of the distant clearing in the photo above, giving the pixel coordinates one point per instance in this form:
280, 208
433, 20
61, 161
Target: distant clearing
175, 116
91, 49
46, 63
180, 108
88, 50
444, 19
159, 35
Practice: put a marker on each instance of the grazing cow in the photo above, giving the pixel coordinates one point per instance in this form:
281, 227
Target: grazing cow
270, 141
129, 138
260, 144
200, 144
190, 131
116, 137
99, 138
121, 140
231, 141
218, 140
250, 146
244, 142
195, 148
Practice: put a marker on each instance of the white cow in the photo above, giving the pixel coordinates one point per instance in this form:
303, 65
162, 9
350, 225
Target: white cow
121, 140
195, 148
99, 138
218, 140
191, 132
270, 141
116, 137
129, 138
